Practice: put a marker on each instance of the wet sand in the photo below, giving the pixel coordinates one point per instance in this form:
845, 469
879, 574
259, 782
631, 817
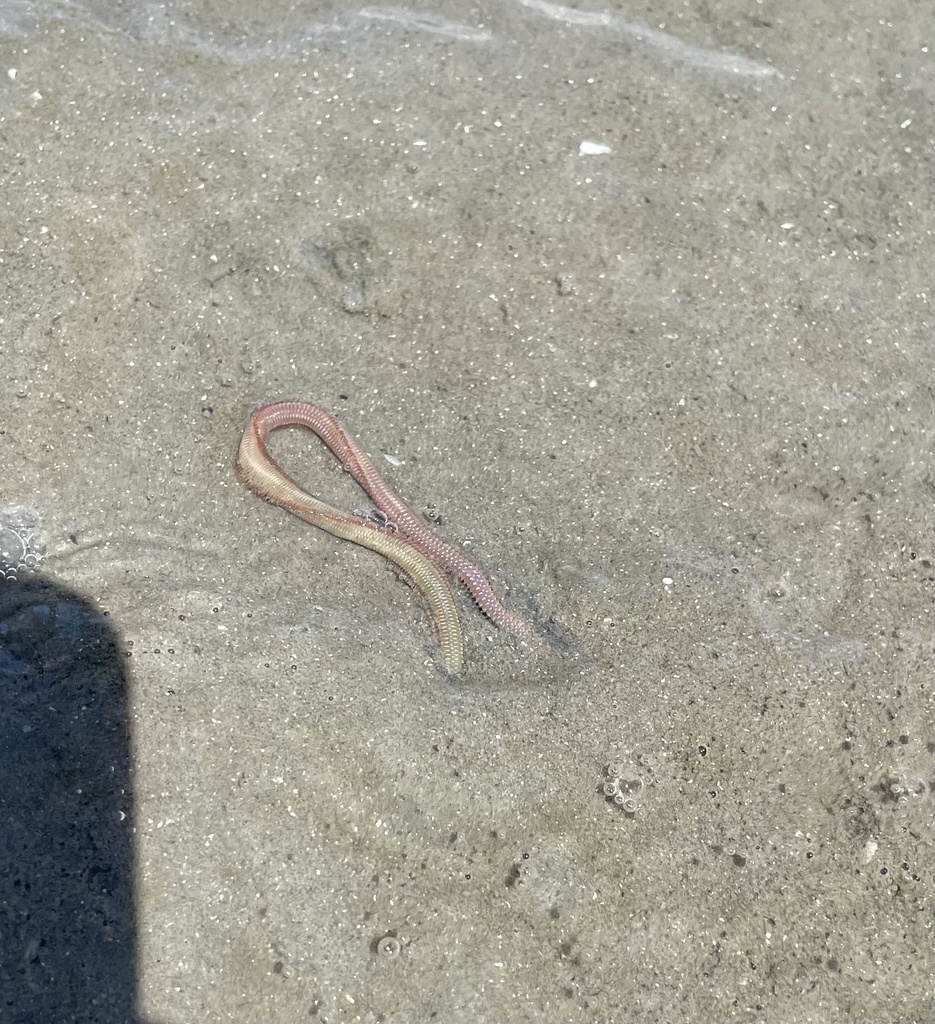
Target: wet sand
639, 315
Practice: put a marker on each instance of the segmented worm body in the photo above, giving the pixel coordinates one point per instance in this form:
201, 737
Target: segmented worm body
420, 555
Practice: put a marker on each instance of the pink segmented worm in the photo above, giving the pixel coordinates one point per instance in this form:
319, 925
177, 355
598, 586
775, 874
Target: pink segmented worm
412, 547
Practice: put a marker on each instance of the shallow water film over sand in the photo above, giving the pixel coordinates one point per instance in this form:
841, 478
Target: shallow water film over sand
632, 305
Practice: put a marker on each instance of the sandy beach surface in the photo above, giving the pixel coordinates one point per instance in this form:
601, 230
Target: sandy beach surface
633, 303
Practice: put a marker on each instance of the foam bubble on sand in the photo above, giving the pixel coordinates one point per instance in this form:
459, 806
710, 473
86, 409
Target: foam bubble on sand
20, 545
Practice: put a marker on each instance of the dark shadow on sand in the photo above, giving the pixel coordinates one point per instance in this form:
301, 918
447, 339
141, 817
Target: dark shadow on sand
67, 922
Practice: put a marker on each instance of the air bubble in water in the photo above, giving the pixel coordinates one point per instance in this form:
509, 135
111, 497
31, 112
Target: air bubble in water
20, 546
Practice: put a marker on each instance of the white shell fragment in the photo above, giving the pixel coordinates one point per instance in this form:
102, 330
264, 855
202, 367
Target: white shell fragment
592, 149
